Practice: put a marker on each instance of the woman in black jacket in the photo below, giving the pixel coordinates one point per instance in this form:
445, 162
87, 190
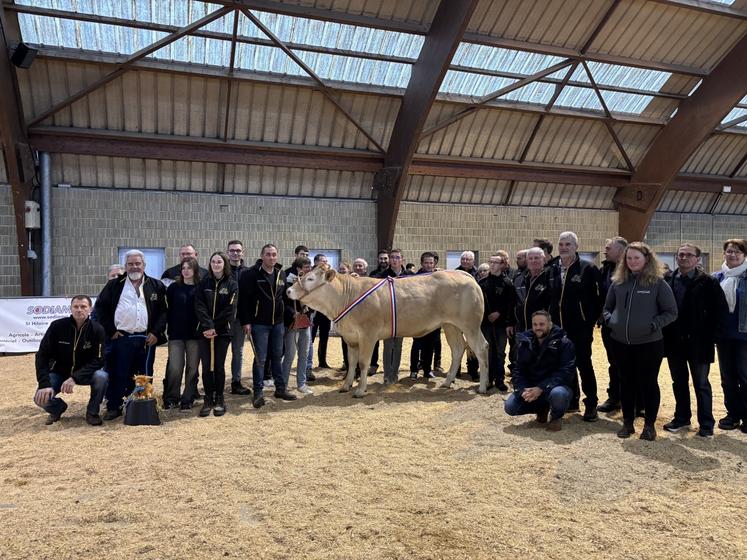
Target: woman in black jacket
215, 306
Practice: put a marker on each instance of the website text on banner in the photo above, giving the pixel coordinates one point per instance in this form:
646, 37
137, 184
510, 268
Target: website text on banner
23, 321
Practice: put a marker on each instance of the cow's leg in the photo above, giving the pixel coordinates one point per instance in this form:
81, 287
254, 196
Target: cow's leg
479, 346
353, 352
456, 343
365, 351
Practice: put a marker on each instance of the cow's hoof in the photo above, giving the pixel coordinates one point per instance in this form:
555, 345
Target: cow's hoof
446, 385
344, 389
482, 390
358, 394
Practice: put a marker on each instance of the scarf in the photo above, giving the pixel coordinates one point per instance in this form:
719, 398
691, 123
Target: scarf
730, 282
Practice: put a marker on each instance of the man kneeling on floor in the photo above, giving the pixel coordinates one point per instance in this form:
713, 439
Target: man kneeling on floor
71, 353
543, 372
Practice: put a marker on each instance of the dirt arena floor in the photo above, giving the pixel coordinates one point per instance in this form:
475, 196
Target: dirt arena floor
410, 471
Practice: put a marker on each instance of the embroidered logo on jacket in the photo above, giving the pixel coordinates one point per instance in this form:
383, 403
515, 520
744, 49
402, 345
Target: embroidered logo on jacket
153, 297
223, 291
86, 345
576, 278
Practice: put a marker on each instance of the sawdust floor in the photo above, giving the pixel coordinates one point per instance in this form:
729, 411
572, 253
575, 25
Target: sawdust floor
410, 471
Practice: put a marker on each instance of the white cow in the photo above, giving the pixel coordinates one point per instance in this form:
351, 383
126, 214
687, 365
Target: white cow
448, 298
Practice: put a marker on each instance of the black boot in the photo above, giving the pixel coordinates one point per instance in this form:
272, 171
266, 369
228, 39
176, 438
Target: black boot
610, 405
220, 406
649, 432
626, 430
207, 405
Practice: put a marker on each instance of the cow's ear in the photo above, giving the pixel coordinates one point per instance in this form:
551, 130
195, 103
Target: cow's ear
330, 274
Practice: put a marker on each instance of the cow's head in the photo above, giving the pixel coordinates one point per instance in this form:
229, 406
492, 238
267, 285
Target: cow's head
313, 280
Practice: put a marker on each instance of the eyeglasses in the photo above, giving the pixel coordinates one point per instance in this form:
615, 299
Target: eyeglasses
733, 252
235, 250
686, 255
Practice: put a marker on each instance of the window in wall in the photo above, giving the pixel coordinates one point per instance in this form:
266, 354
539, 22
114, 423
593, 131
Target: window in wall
589, 256
333, 256
155, 259
453, 259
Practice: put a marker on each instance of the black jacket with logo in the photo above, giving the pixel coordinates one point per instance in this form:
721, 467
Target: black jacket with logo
155, 301
500, 296
532, 294
261, 296
173, 272
700, 319
577, 302
545, 365
215, 304
70, 352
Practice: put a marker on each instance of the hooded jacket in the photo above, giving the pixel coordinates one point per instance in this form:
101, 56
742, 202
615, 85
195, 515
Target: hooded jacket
547, 365
637, 314
215, 304
69, 351
155, 301
261, 296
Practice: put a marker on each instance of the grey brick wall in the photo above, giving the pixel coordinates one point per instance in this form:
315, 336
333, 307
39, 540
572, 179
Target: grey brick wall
668, 230
10, 282
90, 224
441, 227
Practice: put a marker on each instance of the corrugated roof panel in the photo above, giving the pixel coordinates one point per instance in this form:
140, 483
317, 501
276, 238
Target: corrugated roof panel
453, 190
357, 70
551, 22
3, 174
134, 173
563, 196
468, 83
171, 12
690, 202
623, 76
718, 155
658, 32
732, 204
574, 142
280, 181
636, 139
413, 11
486, 133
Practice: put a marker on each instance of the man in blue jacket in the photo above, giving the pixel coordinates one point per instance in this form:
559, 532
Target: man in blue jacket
543, 372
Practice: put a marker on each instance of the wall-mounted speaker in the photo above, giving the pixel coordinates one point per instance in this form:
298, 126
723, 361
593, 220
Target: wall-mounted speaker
23, 56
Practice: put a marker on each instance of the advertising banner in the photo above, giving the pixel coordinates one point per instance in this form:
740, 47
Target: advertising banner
23, 321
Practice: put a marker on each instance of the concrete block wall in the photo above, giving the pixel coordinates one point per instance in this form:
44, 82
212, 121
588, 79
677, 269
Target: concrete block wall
10, 281
668, 231
441, 227
90, 225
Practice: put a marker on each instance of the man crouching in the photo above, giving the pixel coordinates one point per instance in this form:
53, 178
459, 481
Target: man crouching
543, 372
71, 353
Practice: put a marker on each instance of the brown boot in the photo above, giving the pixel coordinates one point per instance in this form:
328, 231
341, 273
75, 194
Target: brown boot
555, 425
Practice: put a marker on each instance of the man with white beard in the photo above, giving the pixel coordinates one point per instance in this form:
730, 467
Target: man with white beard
132, 310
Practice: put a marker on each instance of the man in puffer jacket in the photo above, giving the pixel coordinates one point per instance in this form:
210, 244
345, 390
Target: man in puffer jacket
543, 372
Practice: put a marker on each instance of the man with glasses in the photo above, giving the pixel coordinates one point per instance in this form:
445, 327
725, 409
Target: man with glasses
689, 341
235, 251
187, 251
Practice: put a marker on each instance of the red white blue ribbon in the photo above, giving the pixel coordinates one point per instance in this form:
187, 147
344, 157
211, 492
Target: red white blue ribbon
392, 298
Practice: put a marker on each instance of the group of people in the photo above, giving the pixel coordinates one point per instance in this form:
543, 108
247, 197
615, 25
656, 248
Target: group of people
545, 310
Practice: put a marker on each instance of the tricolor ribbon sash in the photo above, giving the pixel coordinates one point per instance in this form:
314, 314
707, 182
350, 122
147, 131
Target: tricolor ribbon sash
392, 299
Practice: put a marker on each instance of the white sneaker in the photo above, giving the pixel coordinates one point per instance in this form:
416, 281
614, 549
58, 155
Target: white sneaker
269, 382
305, 390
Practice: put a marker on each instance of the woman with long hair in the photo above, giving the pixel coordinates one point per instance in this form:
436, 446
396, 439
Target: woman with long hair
732, 348
184, 349
215, 306
297, 321
639, 305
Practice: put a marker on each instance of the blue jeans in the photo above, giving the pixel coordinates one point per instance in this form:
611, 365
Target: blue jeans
732, 359
98, 382
262, 339
237, 351
129, 356
296, 339
557, 400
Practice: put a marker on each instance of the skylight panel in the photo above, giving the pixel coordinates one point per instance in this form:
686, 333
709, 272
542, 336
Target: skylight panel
330, 34
502, 60
619, 102
622, 76
536, 93
579, 98
468, 83
736, 113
